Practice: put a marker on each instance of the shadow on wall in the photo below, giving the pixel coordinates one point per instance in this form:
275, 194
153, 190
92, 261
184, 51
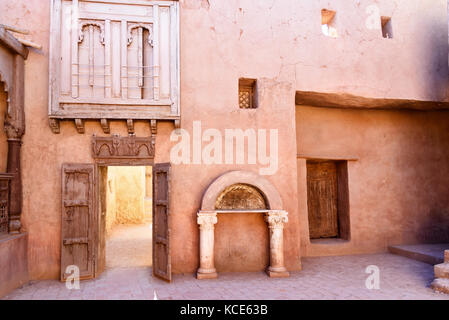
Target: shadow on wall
435, 227
423, 155
435, 61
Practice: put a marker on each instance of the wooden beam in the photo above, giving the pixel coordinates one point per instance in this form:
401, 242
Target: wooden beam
153, 124
105, 126
130, 124
54, 125
349, 101
326, 157
14, 29
79, 124
28, 43
10, 42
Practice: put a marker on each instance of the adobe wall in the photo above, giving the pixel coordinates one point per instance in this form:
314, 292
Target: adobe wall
398, 185
14, 266
129, 194
280, 43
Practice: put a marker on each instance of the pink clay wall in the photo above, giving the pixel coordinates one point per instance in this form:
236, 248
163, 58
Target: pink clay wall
397, 186
280, 43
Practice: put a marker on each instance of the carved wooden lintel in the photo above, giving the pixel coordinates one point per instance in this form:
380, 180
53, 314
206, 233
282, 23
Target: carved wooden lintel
105, 126
117, 147
153, 124
54, 126
130, 124
79, 124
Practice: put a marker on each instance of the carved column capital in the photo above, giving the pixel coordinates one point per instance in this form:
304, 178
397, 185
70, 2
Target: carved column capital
276, 218
207, 219
13, 132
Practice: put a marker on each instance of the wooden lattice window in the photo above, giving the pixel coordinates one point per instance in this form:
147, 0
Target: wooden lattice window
114, 59
247, 94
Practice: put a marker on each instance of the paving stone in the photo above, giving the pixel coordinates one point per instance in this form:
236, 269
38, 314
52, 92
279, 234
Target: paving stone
338, 278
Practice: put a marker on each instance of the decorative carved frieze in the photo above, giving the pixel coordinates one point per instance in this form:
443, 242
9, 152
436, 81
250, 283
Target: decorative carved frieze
117, 147
240, 197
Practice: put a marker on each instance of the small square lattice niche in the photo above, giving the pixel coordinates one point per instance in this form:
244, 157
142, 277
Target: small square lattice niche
247, 94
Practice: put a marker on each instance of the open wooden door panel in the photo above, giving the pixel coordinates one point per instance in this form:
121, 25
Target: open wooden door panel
78, 220
161, 221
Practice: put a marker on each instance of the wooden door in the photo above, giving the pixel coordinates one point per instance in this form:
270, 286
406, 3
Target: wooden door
78, 220
100, 263
322, 199
161, 221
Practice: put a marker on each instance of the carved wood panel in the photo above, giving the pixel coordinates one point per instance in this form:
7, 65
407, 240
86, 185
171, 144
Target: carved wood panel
78, 220
161, 221
117, 147
322, 199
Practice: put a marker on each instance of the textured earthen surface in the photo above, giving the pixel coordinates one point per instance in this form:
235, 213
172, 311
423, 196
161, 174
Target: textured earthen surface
397, 192
129, 246
13, 265
127, 201
396, 188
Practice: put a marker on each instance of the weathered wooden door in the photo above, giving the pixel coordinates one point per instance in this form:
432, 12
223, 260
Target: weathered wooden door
161, 221
78, 220
100, 263
322, 199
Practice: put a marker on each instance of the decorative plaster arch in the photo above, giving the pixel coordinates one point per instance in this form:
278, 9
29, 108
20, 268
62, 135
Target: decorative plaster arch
270, 193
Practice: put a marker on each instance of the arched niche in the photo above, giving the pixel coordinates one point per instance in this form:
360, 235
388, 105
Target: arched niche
238, 178
241, 192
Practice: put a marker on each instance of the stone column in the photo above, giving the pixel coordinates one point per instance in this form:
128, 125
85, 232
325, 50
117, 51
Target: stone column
207, 221
276, 220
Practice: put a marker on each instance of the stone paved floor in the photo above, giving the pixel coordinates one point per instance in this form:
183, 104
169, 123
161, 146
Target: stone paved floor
321, 278
129, 246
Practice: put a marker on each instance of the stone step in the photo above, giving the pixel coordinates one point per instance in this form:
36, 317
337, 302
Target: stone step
446, 256
440, 285
441, 270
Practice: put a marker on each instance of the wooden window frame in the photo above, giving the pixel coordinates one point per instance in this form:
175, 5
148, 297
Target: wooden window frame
250, 86
67, 108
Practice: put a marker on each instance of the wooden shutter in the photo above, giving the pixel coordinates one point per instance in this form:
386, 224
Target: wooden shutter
161, 221
78, 219
322, 199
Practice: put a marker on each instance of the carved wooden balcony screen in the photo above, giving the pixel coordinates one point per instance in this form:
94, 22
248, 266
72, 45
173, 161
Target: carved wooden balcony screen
113, 60
4, 202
